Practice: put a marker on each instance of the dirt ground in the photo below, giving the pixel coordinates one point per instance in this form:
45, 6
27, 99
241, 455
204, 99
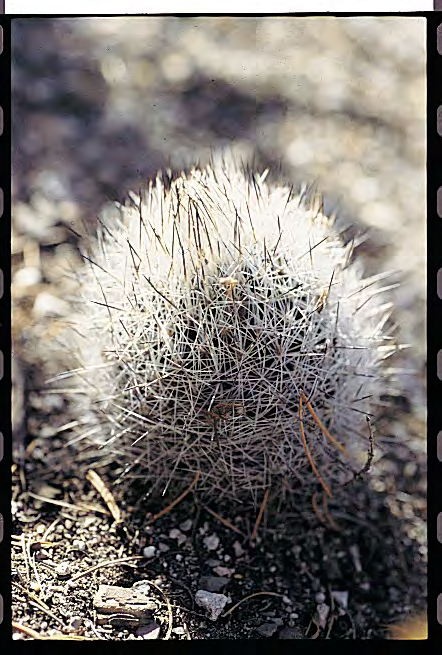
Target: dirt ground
99, 106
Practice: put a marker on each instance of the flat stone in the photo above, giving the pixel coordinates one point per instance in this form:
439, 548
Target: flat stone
134, 606
267, 629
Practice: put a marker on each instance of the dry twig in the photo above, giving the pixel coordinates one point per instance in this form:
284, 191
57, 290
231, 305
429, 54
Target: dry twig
224, 521
177, 500
107, 496
258, 593
259, 517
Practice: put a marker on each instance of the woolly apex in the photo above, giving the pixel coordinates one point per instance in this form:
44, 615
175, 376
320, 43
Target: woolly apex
225, 333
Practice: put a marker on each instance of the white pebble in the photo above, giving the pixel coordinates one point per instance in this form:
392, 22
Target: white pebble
211, 542
149, 552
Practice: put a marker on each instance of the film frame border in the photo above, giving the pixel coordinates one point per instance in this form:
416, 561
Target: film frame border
434, 320
5, 331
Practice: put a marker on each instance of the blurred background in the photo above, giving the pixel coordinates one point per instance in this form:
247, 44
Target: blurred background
100, 105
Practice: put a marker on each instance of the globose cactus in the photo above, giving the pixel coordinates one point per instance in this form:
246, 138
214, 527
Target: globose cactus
225, 334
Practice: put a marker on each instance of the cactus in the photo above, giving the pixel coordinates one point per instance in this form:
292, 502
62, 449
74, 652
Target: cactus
225, 329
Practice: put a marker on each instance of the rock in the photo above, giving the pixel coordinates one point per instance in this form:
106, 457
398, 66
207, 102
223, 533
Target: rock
186, 525
149, 552
79, 544
134, 605
213, 583
178, 535
63, 570
212, 603
276, 620
238, 549
211, 542
143, 587
149, 631
267, 629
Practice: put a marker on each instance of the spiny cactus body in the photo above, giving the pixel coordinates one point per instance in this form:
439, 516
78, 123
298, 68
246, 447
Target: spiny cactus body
223, 330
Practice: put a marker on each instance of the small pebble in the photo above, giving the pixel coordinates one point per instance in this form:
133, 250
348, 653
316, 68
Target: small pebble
211, 542
63, 570
178, 535
238, 549
186, 525
151, 631
212, 603
267, 629
79, 544
149, 552
179, 630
